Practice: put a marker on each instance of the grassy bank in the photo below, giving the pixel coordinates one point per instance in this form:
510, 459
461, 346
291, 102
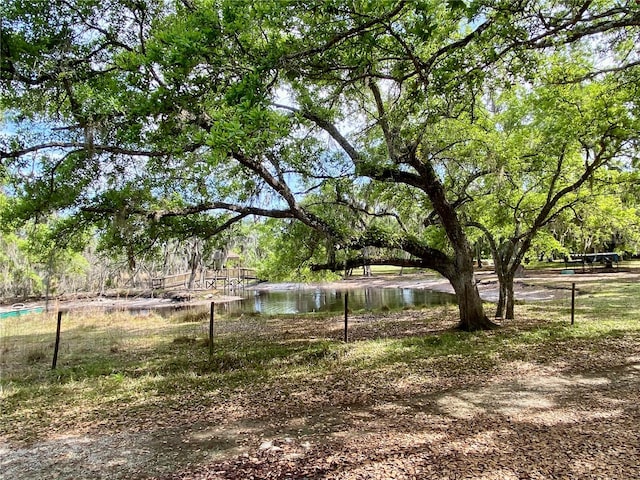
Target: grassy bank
288, 376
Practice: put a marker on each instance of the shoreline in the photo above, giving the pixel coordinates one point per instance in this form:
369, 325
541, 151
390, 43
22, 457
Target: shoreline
534, 286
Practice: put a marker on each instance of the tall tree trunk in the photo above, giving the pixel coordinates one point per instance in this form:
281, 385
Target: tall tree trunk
502, 299
502, 290
472, 316
194, 263
478, 247
504, 308
366, 269
192, 276
510, 298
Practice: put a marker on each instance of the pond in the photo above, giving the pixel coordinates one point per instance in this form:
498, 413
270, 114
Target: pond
20, 310
281, 302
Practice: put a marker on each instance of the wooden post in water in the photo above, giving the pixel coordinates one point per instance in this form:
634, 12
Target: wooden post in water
573, 302
56, 348
346, 317
211, 330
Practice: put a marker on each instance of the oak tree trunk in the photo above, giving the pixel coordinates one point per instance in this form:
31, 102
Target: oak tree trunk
472, 316
506, 300
502, 298
508, 286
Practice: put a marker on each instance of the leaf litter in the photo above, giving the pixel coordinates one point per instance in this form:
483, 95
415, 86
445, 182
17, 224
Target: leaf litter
541, 411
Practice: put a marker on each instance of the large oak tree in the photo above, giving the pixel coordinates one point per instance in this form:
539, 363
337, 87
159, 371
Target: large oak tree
155, 110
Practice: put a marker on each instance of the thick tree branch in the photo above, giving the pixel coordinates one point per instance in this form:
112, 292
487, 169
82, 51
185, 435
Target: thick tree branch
600, 159
434, 259
463, 42
556, 174
328, 127
383, 120
376, 172
576, 28
93, 148
365, 261
159, 214
366, 211
283, 189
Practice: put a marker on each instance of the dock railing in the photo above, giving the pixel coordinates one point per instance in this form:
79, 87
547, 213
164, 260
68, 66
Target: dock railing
226, 278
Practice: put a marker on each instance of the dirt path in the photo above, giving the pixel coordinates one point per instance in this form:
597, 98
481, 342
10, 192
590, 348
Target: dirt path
527, 422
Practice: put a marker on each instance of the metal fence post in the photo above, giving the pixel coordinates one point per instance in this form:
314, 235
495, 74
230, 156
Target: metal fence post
573, 302
346, 317
55, 350
211, 329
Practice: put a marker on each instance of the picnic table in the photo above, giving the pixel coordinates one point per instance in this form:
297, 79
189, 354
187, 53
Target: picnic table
608, 260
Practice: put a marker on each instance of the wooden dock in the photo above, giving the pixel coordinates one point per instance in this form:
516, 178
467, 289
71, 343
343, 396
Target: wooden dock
226, 279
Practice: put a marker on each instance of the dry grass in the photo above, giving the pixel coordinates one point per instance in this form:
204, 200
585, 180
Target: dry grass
407, 398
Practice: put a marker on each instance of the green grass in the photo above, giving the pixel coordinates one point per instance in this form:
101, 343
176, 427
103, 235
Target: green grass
117, 365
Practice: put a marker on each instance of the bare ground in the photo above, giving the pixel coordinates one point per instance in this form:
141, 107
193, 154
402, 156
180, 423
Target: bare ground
571, 412
526, 422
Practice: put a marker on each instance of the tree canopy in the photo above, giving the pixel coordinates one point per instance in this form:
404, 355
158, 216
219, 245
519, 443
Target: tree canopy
139, 113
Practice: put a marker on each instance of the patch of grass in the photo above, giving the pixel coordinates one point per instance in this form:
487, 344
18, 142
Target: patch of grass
36, 356
185, 339
192, 316
118, 366
96, 368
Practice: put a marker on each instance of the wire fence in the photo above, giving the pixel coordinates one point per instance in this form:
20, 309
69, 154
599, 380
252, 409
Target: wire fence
29, 341
99, 339
118, 338
113, 340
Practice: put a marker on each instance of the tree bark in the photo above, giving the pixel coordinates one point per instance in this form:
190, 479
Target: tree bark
478, 247
502, 296
510, 298
194, 263
501, 273
472, 316
471, 309
506, 299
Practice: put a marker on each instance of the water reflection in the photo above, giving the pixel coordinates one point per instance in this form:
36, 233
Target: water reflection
275, 302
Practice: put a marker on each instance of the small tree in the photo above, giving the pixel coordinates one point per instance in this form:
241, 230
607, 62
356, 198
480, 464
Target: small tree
551, 141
